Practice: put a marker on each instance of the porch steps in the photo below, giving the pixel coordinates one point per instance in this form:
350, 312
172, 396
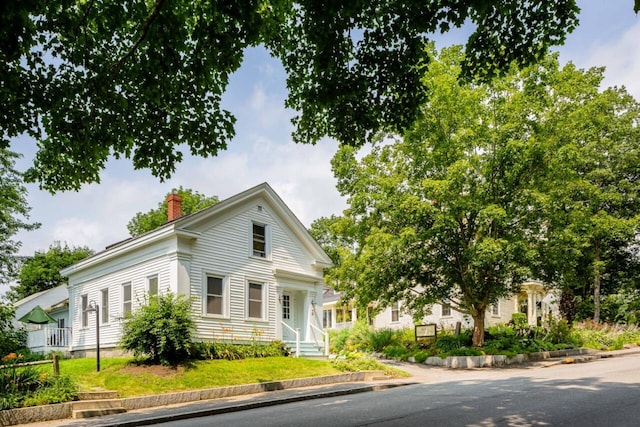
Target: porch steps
96, 404
307, 349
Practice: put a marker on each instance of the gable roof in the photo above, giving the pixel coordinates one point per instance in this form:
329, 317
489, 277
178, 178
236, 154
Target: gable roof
183, 227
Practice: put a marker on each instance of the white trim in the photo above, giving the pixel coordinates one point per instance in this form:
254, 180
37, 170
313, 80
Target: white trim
122, 300
226, 296
148, 284
104, 307
263, 296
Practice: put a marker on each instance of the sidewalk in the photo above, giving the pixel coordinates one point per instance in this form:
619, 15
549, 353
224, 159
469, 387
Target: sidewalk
419, 374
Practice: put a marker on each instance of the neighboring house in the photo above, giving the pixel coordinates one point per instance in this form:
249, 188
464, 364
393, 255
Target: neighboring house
52, 336
249, 265
533, 299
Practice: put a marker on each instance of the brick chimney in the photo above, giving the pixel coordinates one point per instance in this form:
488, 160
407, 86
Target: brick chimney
174, 207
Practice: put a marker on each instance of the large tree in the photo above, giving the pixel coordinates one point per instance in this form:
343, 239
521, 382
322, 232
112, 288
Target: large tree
42, 271
144, 80
192, 201
455, 211
592, 194
14, 213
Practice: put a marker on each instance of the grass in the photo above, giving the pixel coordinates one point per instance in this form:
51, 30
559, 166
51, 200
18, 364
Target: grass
129, 379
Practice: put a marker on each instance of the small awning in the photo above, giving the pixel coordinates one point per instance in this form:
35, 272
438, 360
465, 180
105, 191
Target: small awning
38, 316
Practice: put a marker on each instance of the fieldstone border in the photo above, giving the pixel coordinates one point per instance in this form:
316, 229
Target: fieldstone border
468, 362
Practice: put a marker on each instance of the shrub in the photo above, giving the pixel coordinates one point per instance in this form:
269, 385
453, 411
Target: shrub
12, 339
160, 330
558, 331
446, 343
396, 351
381, 338
228, 351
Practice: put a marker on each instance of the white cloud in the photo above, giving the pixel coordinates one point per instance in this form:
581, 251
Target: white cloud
621, 57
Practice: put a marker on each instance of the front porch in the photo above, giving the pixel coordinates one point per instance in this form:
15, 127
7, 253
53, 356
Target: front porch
45, 339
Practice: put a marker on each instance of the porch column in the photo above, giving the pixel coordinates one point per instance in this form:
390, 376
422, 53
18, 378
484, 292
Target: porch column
308, 311
531, 307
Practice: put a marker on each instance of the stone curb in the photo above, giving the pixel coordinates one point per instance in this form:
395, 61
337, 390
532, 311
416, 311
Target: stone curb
224, 409
63, 410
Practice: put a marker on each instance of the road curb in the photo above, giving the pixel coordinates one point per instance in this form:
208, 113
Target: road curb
262, 403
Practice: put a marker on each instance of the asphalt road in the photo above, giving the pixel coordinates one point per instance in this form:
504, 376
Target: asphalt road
605, 392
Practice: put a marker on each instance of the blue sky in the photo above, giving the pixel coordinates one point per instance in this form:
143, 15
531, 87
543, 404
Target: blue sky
608, 35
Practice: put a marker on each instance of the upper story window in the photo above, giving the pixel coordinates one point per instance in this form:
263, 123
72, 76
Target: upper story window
259, 241
126, 299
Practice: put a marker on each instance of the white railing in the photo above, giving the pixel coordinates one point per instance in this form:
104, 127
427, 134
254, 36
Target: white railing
325, 338
296, 332
48, 338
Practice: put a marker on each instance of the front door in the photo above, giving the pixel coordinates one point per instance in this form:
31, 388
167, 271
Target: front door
288, 316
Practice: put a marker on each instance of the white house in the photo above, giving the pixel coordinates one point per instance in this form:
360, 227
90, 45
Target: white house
249, 265
533, 299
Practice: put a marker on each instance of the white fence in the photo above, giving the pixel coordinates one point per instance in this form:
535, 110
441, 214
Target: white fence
48, 339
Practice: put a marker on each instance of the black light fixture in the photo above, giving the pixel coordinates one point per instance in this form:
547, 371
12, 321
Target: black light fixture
91, 308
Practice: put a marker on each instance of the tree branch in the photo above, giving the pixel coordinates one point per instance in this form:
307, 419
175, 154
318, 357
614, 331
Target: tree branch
143, 34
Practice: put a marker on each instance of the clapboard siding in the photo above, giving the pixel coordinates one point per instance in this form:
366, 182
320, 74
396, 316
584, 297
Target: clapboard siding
215, 241
225, 250
135, 274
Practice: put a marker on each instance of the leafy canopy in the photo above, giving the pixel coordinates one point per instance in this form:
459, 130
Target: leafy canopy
14, 212
144, 80
457, 209
192, 201
42, 271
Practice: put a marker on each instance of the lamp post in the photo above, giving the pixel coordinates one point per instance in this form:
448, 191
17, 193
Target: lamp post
95, 307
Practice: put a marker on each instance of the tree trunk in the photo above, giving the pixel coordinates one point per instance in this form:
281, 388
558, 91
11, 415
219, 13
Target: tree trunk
478, 328
596, 286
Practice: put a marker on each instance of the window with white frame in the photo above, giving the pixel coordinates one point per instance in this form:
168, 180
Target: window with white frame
327, 319
446, 309
286, 307
395, 312
104, 307
259, 240
495, 309
126, 299
152, 285
254, 300
85, 314
215, 301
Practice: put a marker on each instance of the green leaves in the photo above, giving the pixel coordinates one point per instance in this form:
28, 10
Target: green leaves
161, 329
42, 271
192, 201
14, 213
145, 80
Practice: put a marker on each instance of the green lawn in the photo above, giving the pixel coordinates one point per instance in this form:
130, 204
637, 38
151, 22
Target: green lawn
130, 380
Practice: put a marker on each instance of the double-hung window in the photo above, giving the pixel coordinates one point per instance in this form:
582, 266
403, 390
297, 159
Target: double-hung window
395, 312
495, 309
152, 285
255, 301
259, 240
446, 309
126, 299
215, 296
104, 296
85, 314
327, 319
